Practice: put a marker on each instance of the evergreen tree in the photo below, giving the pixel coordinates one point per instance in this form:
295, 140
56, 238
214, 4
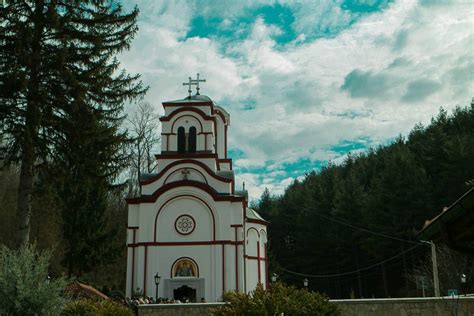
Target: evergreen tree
86, 166
55, 55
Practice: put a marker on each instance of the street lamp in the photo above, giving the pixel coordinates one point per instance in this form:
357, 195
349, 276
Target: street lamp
305, 282
157, 282
274, 277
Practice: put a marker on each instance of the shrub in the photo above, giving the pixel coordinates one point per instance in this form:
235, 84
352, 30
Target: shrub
276, 300
87, 307
25, 288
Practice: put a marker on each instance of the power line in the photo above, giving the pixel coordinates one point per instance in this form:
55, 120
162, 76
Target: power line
359, 228
351, 272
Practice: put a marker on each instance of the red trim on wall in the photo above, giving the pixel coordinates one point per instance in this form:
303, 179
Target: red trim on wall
133, 261
185, 183
221, 115
204, 133
145, 270
253, 257
185, 243
184, 161
176, 155
215, 138
166, 179
187, 109
236, 225
187, 115
253, 228
236, 261
225, 142
193, 103
185, 195
223, 268
167, 134
132, 227
266, 266
167, 142
257, 221
258, 262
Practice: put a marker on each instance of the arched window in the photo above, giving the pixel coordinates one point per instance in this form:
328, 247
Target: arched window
192, 140
181, 140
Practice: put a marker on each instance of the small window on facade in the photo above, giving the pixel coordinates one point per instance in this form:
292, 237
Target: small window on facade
192, 140
181, 140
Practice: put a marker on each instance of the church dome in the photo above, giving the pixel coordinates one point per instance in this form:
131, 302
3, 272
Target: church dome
193, 98
199, 97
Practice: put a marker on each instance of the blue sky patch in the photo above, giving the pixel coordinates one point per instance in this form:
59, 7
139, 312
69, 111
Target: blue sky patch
365, 6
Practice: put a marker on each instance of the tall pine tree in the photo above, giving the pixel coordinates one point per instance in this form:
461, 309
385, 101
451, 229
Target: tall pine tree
56, 55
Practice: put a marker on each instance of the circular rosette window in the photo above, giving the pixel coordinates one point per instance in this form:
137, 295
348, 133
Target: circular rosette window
185, 224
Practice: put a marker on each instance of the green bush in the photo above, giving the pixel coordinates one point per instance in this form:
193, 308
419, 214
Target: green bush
277, 300
25, 288
86, 307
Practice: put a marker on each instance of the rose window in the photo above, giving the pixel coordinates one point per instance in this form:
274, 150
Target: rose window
185, 224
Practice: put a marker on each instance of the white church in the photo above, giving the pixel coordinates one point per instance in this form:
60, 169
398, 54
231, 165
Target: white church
190, 229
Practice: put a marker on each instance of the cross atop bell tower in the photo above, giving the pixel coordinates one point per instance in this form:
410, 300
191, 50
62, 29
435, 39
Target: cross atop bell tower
193, 82
196, 81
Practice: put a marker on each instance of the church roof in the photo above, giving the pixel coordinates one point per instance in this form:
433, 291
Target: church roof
226, 174
252, 214
193, 98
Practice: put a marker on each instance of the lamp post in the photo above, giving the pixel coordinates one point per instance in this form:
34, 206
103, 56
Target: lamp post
274, 277
157, 282
305, 283
463, 283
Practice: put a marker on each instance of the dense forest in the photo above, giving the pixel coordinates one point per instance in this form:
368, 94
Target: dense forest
339, 225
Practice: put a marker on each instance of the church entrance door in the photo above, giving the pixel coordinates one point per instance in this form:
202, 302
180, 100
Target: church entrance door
185, 293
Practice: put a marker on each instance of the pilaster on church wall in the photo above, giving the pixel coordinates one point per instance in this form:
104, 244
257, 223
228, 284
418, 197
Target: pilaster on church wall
133, 214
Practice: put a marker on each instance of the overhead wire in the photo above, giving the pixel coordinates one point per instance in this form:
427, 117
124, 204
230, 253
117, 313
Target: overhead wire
350, 272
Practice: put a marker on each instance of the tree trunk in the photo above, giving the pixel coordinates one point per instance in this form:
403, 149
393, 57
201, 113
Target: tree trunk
29, 139
25, 190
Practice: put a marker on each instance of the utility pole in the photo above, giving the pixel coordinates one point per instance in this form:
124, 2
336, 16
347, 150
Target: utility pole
435, 269
435, 266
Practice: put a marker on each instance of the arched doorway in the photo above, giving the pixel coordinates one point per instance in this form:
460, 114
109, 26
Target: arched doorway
185, 294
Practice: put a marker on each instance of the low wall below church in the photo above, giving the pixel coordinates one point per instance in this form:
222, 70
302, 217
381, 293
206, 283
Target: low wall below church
191, 309
419, 306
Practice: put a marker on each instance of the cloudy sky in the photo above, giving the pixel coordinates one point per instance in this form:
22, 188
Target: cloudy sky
306, 82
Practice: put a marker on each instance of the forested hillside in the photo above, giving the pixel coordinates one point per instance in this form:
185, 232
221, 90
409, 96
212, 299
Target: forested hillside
332, 222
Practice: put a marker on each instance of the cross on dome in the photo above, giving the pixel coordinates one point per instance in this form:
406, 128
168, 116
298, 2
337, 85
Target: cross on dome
194, 82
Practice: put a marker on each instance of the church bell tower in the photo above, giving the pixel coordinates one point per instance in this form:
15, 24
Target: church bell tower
190, 226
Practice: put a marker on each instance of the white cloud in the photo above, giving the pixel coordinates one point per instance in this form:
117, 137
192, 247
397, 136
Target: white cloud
300, 108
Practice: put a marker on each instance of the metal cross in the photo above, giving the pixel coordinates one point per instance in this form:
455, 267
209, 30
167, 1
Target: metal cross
189, 84
185, 173
196, 82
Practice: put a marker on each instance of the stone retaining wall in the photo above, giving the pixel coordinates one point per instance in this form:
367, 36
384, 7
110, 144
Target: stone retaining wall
429, 306
462, 306
191, 309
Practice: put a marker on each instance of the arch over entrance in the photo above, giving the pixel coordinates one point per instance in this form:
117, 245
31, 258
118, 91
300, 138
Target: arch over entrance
185, 267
